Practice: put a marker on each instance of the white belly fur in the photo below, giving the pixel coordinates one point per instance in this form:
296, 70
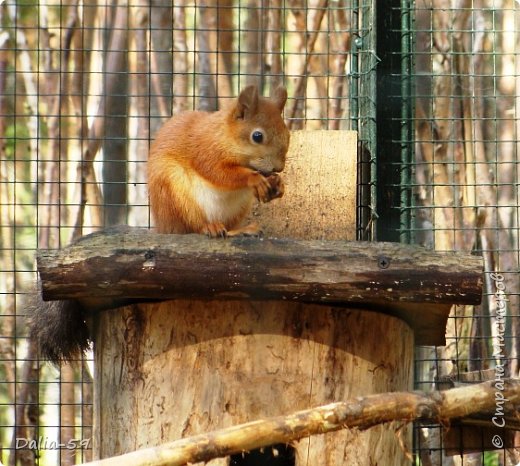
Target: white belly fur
220, 206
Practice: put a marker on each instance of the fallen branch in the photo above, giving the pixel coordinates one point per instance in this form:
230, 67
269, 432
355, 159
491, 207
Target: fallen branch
361, 413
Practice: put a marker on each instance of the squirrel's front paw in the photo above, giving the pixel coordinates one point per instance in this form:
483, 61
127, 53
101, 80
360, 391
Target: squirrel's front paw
277, 186
261, 187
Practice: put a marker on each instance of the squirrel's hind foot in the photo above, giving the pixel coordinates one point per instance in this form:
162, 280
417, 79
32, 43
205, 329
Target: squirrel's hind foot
218, 230
253, 230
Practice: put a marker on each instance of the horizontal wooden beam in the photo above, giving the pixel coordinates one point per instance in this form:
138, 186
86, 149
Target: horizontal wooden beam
135, 263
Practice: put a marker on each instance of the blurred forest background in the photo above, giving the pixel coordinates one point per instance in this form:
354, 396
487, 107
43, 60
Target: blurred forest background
85, 84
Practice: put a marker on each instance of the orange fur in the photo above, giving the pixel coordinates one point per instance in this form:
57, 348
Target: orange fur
204, 169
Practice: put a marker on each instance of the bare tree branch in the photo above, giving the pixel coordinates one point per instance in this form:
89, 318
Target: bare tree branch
361, 413
301, 81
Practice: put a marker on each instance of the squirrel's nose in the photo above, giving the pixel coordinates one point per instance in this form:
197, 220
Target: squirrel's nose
278, 167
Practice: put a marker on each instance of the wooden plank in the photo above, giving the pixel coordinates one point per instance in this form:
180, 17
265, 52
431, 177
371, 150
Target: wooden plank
118, 267
320, 192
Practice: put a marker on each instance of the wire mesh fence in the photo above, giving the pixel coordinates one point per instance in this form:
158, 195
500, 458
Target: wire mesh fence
83, 88
464, 196
430, 86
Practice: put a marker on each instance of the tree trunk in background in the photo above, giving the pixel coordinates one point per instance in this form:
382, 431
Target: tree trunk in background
208, 100
162, 62
224, 45
276, 25
254, 39
116, 111
180, 62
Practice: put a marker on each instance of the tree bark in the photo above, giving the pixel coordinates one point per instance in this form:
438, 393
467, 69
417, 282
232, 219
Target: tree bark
115, 135
140, 264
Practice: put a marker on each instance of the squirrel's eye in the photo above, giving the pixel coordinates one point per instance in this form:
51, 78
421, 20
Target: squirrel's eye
257, 136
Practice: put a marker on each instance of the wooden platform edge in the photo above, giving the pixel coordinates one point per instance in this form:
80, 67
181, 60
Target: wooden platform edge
126, 264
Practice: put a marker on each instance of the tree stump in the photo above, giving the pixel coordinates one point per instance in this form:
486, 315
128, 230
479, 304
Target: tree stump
180, 368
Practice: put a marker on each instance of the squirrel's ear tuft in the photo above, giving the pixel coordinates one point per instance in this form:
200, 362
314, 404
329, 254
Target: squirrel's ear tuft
280, 97
247, 103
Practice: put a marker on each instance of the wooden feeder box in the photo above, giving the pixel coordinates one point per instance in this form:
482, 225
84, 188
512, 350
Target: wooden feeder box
222, 332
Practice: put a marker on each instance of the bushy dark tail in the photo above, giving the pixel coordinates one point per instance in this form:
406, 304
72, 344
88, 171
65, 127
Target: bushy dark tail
59, 329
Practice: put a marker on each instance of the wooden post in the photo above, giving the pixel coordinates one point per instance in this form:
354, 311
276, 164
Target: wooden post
171, 369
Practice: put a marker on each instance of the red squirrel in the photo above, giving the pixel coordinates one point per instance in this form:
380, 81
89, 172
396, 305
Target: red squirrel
204, 172
206, 169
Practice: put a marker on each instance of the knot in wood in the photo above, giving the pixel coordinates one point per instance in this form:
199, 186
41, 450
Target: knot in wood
427, 410
149, 259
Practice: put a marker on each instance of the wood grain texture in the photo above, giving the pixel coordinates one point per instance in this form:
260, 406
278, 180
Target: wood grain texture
181, 368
